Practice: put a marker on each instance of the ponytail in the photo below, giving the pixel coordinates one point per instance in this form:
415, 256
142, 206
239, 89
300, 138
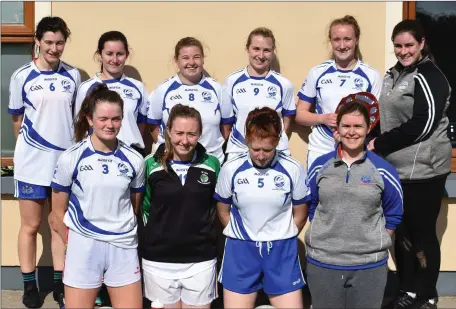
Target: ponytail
99, 93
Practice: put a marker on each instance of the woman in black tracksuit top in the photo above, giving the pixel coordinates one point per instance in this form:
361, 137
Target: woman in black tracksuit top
413, 121
179, 245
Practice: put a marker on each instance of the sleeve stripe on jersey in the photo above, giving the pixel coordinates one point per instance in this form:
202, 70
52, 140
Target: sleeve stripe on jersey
287, 112
431, 105
136, 190
19, 111
304, 200
314, 171
227, 120
153, 121
60, 187
306, 98
222, 199
391, 180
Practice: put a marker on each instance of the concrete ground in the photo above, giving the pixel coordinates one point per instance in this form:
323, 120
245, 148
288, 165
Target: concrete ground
12, 299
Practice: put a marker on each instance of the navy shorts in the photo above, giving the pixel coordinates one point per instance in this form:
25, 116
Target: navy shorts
273, 266
28, 191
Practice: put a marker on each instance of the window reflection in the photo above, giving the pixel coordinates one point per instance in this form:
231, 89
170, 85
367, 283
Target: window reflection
12, 12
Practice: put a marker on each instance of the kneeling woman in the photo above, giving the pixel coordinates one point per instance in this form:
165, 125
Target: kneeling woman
356, 205
179, 245
97, 186
262, 198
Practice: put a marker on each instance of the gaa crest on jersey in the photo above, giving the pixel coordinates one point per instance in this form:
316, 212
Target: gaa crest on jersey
66, 85
207, 97
204, 178
123, 170
359, 83
272, 92
128, 93
279, 182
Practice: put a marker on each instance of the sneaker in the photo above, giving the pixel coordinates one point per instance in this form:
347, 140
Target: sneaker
425, 304
404, 301
31, 298
59, 297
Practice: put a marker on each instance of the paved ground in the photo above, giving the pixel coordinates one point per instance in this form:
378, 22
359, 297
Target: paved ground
12, 299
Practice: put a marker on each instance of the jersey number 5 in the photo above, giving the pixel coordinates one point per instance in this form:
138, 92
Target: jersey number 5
260, 182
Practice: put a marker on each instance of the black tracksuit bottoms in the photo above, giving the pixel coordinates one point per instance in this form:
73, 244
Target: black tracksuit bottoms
417, 248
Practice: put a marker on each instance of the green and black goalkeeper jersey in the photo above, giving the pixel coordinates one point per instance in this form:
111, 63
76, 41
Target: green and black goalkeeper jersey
179, 219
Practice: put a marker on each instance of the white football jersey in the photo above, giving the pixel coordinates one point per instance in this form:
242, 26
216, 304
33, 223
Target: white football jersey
262, 199
325, 86
99, 185
247, 93
204, 97
134, 96
46, 99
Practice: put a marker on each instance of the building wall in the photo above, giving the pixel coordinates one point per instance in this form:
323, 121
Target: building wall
153, 28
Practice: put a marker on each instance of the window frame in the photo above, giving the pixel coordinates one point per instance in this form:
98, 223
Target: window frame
21, 33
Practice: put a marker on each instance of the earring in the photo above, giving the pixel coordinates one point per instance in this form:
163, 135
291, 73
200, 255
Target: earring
36, 51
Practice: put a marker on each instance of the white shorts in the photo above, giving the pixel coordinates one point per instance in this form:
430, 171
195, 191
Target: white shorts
197, 290
90, 262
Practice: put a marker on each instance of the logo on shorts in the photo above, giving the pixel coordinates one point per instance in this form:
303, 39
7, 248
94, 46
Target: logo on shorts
297, 281
204, 178
27, 189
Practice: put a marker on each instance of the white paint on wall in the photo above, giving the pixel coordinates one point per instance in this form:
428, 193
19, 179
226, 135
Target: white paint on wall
42, 9
393, 16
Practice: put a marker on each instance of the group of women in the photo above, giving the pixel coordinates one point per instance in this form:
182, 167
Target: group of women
88, 162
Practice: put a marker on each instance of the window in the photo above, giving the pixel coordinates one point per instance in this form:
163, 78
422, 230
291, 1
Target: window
18, 21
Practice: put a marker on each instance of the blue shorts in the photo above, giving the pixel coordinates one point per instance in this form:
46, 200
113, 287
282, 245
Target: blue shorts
28, 191
273, 266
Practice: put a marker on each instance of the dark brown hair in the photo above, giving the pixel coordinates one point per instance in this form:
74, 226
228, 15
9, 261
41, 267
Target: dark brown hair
50, 23
263, 123
350, 21
99, 93
178, 111
111, 36
352, 107
415, 28
261, 31
186, 42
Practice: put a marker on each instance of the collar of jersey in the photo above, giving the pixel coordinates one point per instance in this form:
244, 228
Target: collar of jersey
100, 152
246, 72
338, 153
271, 165
47, 72
109, 81
345, 71
203, 77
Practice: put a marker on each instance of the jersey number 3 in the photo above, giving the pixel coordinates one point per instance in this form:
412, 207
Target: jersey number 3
105, 169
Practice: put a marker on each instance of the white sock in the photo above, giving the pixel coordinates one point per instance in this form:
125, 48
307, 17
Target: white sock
412, 295
432, 301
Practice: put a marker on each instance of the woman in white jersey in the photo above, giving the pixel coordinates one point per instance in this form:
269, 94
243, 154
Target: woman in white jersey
113, 51
42, 93
97, 189
191, 86
257, 85
327, 83
179, 242
262, 203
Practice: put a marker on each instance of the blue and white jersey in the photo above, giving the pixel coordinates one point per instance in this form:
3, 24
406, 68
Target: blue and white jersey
45, 98
262, 199
204, 97
246, 93
325, 86
99, 185
134, 96
181, 169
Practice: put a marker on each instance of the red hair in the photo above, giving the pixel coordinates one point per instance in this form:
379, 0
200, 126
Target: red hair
263, 123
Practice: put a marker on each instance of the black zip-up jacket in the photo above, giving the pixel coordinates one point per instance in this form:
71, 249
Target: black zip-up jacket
179, 219
413, 121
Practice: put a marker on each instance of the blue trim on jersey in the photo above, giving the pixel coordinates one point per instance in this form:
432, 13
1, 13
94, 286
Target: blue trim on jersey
227, 120
306, 98
245, 166
32, 75
19, 111
76, 181
287, 112
56, 186
331, 69
240, 79
237, 135
133, 151
141, 118
74, 203
361, 73
153, 121
126, 82
85, 154
279, 168
239, 224
25, 67
340, 267
304, 200
119, 154
136, 190
65, 73
91, 87
227, 201
175, 85
27, 129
